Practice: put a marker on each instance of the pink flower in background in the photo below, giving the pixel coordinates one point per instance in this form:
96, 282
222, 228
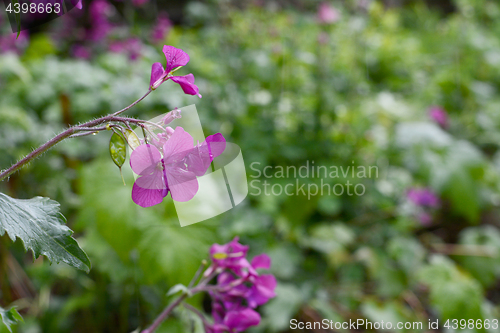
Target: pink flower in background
439, 115
161, 28
327, 14
175, 58
99, 11
80, 52
425, 201
423, 197
167, 168
132, 47
12, 43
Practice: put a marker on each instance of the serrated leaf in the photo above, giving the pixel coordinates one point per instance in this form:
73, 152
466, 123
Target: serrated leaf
10, 317
132, 139
117, 149
40, 225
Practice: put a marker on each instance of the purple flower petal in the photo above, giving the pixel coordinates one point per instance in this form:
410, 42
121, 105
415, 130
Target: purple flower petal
182, 184
157, 74
239, 321
187, 84
175, 57
439, 115
178, 146
423, 197
199, 159
146, 197
262, 290
144, 157
327, 14
261, 261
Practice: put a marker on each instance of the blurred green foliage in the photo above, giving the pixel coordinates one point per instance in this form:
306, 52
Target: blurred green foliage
287, 90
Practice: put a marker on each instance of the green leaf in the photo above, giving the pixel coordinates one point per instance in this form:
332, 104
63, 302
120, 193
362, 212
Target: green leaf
18, 19
117, 149
10, 317
453, 292
41, 227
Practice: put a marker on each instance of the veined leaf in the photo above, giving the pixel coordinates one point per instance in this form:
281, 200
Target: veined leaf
117, 149
40, 225
10, 317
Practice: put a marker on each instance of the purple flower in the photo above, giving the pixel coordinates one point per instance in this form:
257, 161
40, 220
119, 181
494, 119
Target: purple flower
161, 28
423, 197
439, 115
131, 47
99, 11
11, 43
327, 14
175, 58
239, 288
241, 320
165, 166
231, 255
80, 52
233, 321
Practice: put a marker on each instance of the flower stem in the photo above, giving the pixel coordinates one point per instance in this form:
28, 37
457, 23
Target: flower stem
37, 152
131, 105
165, 314
73, 132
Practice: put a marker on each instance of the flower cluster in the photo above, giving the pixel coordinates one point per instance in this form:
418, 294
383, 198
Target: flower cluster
239, 289
439, 115
327, 14
425, 200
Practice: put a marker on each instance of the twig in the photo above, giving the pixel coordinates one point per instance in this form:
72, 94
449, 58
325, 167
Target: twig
164, 314
89, 126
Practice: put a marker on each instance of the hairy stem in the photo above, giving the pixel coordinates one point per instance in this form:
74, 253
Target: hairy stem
37, 152
88, 127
